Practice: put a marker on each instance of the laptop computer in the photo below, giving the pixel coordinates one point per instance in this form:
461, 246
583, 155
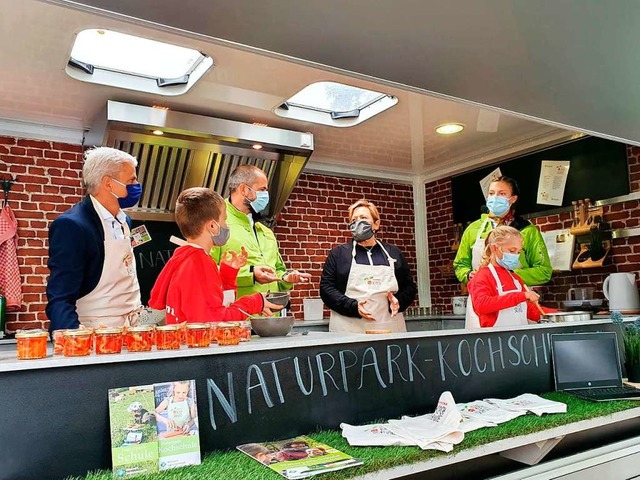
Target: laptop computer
587, 365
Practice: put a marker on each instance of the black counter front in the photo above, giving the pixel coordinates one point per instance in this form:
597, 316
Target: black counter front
55, 418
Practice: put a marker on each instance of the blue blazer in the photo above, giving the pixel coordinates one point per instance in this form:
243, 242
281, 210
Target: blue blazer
76, 257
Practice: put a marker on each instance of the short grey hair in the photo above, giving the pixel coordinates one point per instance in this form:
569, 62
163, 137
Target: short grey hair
103, 162
246, 174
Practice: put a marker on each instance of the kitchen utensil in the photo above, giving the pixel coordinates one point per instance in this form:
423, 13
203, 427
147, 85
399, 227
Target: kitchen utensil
586, 305
459, 305
558, 317
580, 293
621, 291
279, 298
540, 308
272, 326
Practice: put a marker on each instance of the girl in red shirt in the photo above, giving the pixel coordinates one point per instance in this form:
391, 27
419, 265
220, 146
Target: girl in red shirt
497, 296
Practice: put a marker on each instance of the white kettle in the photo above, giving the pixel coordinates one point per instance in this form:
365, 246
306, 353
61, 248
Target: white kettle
621, 291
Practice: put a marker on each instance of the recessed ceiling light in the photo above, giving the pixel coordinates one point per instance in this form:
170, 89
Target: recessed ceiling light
449, 128
257, 146
157, 132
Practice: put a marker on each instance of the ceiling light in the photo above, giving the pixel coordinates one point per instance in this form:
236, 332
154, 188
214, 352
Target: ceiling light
449, 128
257, 146
157, 132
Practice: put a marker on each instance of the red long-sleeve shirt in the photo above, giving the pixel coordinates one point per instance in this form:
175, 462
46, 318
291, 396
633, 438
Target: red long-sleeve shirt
486, 301
190, 288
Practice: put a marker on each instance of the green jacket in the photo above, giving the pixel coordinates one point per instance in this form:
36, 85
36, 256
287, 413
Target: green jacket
262, 249
536, 266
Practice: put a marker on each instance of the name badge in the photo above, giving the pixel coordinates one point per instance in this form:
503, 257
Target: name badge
140, 235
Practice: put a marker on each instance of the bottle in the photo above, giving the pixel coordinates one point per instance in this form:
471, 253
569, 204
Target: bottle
3, 314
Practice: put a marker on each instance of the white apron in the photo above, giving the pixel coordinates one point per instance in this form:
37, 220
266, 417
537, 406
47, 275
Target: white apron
370, 282
116, 299
477, 252
507, 317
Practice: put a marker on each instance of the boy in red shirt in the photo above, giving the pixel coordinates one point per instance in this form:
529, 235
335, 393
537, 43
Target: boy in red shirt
190, 287
498, 297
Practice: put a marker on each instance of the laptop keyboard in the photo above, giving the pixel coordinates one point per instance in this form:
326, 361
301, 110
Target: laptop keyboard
608, 392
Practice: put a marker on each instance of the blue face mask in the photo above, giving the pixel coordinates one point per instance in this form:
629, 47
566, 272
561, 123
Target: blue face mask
498, 206
261, 201
134, 192
510, 261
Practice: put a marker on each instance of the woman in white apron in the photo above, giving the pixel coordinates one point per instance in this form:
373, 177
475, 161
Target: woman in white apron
365, 283
497, 296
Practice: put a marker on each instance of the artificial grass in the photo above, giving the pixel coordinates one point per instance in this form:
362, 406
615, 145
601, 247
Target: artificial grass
233, 465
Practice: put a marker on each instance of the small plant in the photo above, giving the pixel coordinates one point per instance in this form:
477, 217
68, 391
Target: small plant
630, 338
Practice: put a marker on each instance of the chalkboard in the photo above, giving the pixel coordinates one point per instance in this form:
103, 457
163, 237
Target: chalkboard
598, 170
152, 256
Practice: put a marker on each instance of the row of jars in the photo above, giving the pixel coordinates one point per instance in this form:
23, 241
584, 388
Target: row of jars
32, 344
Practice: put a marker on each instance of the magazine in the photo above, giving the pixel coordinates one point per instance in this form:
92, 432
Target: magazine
299, 457
153, 427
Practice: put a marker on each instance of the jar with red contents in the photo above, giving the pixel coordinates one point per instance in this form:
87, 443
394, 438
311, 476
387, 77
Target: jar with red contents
32, 344
198, 335
244, 330
139, 338
58, 341
168, 337
108, 340
228, 333
78, 343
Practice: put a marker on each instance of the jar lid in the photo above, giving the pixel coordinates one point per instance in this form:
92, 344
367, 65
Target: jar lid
32, 333
168, 328
228, 325
197, 326
78, 332
108, 330
141, 328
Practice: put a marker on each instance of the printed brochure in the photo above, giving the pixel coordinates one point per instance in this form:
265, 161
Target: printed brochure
299, 457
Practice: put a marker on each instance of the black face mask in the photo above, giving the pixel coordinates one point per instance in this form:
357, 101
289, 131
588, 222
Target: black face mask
361, 230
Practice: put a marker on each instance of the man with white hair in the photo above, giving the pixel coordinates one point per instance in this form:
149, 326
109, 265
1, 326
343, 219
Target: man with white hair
93, 272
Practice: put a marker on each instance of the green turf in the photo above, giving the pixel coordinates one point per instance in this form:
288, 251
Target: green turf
234, 465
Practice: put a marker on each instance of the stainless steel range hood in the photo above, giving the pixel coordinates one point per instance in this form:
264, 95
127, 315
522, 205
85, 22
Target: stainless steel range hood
195, 150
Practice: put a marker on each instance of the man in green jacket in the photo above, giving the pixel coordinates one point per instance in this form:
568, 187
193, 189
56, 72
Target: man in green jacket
265, 270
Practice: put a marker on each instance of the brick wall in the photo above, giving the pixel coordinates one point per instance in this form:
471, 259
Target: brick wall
314, 220
48, 182
47, 176
623, 257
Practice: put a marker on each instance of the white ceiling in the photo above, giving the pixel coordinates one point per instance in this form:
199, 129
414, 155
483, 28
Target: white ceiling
247, 84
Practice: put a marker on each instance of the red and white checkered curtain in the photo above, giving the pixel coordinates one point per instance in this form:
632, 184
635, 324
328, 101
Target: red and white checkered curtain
10, 285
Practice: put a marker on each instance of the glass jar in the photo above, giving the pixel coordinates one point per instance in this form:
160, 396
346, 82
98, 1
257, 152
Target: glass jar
214, 332
108, 340
228, 333
183, 333
32, 344
198, 335
168, 337
77, 343
139, 338
58, 341
244, 330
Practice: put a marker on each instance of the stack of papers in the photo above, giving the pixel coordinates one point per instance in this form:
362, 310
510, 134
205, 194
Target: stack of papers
529, 403
445, 427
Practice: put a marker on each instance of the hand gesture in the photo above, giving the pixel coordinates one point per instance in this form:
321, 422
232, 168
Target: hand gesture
531, 296
393, 303
263, 274
297, 277
364, 313
269, 308
235, 260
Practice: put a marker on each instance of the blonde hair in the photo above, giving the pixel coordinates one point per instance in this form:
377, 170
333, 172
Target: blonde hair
498, 236
375, 214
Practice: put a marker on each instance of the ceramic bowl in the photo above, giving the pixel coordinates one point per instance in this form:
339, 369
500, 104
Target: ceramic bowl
272, 326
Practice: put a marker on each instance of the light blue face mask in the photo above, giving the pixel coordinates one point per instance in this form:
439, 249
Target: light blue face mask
510, 261
261, 201
498, 206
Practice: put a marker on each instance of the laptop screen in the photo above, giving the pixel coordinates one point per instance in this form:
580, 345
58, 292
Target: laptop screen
585, 360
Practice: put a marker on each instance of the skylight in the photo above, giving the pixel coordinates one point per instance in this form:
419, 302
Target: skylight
126, 61
335, 104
